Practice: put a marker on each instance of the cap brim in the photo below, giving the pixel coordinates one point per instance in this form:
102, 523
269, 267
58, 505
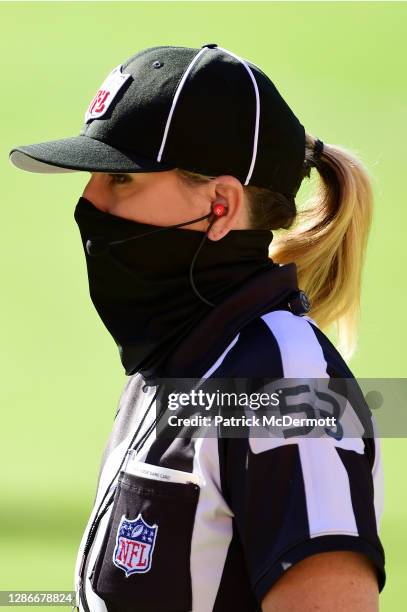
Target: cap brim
80, 153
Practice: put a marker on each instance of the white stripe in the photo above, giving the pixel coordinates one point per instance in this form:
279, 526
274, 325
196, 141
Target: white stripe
327, 489
257, 121
221, 358
378, 477
301, 357
301, 353
96, 603
175, 100
213, 530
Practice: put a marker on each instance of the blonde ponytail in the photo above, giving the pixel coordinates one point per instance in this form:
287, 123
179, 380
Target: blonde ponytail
328, 241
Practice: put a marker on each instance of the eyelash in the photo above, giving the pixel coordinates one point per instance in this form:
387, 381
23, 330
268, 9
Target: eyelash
115, 177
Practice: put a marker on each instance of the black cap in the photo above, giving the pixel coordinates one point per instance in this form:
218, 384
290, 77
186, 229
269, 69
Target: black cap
205, 110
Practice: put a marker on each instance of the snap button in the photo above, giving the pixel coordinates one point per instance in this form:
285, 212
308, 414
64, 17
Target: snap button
299, 304
157, 64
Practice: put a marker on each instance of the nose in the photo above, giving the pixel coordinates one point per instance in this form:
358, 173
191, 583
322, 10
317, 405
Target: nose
96, 191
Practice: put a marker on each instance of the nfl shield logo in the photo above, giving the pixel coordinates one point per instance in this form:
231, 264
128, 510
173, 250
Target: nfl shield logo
106, 93
134, 545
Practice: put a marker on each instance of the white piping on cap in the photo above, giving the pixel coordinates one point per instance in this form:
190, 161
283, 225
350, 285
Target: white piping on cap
178, 92
175, 100
257, 123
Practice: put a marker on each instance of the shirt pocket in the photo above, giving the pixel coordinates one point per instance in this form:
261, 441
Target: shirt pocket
144, 560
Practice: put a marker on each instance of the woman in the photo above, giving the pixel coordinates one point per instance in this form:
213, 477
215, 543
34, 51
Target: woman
194, 158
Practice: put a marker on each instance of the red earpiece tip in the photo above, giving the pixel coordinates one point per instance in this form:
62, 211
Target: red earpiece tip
219, 210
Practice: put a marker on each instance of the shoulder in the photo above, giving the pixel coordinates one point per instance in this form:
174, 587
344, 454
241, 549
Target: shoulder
282, 344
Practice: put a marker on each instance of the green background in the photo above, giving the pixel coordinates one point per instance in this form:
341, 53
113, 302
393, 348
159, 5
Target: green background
341, 68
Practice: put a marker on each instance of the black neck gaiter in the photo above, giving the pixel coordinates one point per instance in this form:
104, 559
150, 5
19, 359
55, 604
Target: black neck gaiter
141, 288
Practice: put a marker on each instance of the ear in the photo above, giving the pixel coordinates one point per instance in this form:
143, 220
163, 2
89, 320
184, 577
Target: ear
227, 190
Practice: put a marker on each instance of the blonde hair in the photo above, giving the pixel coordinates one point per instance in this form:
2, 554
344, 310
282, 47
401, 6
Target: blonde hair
326, 239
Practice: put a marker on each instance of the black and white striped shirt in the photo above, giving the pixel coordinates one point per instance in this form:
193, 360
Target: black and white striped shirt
262, 504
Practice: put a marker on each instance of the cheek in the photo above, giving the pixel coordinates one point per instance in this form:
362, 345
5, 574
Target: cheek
141, 206
153, 206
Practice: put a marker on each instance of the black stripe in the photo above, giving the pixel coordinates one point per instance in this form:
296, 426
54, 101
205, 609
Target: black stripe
268, 500
336, 366
318, 545
234, 591
256, 354
177, 453
362, 494
276, 508
338, 369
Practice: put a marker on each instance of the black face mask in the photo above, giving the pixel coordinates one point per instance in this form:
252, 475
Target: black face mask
141, 287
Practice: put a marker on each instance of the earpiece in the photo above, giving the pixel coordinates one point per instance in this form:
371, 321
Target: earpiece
219, 210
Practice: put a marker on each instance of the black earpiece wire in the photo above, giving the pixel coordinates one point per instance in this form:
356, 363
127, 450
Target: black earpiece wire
191, 267
161, 229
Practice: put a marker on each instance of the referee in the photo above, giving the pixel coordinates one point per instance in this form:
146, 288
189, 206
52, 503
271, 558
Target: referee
194, 159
